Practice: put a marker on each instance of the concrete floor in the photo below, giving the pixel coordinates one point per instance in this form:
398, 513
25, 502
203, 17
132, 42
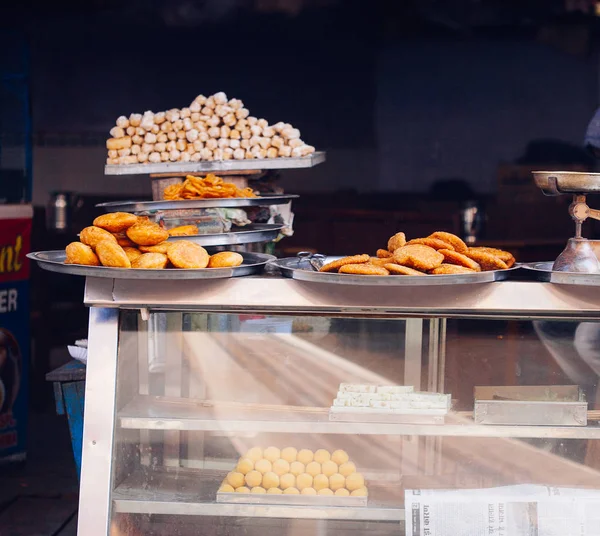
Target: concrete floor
39, 497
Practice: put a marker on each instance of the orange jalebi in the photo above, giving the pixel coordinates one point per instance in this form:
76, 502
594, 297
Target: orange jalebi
210, 186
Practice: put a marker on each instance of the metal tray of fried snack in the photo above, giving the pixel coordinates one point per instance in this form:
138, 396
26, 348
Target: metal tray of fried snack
251, 234
544, 273
303, 270
290, 500
54, 261
567, 182
223, 166
185, 204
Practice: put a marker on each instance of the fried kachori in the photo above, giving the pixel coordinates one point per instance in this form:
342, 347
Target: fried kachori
151, 261
92, 236
116, 222
434, 243
112, 255
186, 254
454, 257
397, 269
363, 269
132, 253
79, 253
487, 261
225, 259
418, 257
396, 242
451, 239
158, 248
336, 265
147, 234
451, 269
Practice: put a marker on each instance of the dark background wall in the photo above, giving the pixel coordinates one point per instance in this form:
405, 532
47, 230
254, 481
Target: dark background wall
393, 114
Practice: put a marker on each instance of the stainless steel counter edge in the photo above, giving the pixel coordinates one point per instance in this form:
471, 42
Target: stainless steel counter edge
282, 295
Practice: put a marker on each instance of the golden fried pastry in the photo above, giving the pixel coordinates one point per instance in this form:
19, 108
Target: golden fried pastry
123, 240
396, 242
186, 254
487, 261
92, 236
111, 254
158, 248
151, 261
418, 257
78, 253
336, 265
384, 253
132, 253
450, 269
225, 259
378, 261
434, 243
363, 269
506, 256
397, 269
453, 257
116, 222
147, 234
452, 239
184, 230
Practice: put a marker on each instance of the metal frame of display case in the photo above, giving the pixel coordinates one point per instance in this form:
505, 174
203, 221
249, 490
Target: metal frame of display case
276, 295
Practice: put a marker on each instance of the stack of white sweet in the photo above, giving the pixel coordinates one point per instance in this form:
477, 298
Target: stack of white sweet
388, 399
211, 128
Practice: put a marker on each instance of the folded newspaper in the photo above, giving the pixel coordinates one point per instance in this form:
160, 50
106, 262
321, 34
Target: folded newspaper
522, 510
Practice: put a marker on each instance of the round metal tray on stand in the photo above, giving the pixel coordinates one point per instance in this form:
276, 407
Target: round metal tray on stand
251, 234
54, 261
301, 270
544, 272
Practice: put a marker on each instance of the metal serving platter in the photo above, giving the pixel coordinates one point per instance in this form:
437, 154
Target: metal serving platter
53, 261
226, 165
300, 270
544, 272
567, 182
257, 232
232, 202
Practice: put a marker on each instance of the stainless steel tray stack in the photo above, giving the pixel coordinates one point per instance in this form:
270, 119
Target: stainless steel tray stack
240, 237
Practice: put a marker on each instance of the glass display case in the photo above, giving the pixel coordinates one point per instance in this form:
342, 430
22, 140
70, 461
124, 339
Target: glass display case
192, 385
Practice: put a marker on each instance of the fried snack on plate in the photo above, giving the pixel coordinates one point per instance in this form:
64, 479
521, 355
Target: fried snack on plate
112, 255
151, 261
451, 269
336, 265
506, 256
116, 222
434, 243
184, 230
158, 248
487, 261
208, 187
418, 257
363, 269
397, 269
147, 234
377, 261
123, 240
396, 242
92, 236
78, 253
225, 259
186, 254
452, 239
453, 257
384, 253
132, 253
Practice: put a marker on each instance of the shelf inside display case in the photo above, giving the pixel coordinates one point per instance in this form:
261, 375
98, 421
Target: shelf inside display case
193, 492
158, 413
